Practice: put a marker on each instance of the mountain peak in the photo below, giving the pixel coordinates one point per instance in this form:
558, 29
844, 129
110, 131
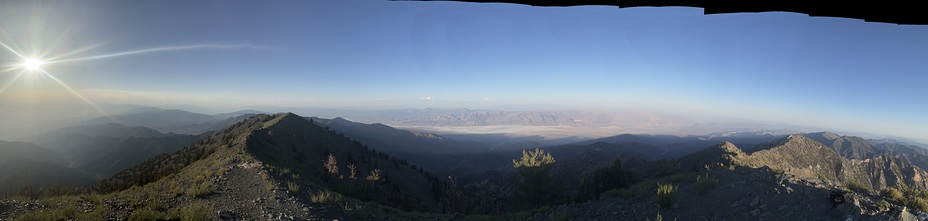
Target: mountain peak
286, 118
824, 135
728, 147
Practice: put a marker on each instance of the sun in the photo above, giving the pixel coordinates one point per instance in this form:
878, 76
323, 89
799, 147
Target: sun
32, 64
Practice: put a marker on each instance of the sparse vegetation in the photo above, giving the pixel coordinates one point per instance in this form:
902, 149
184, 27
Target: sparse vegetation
99, 213
892, 193
65, 212
270, 185
666, 195
325, 197
602, 180
883, 205
348, 207
857, 187
645, 187
821, 176
293, 187
777, 170
200, 189
374, 175
704, 183
196, 212
145, 215
908, 196
222, 171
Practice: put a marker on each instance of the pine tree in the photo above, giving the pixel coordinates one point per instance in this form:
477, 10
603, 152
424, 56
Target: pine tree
537, 187
353, 170
602, 180
331, 167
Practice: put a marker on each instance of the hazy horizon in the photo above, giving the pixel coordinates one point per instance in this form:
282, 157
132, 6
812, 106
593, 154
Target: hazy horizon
226, 56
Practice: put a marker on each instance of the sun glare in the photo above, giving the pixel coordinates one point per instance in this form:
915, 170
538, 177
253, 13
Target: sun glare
32, 64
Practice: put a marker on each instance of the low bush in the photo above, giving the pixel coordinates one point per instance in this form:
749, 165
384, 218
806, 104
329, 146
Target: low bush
325, 197
293, 187
892, 193
857, 187
705, 183
666, 195
196, 212
883, 205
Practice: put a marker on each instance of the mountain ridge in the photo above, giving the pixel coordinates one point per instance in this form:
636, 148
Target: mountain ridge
286, 153
802, 156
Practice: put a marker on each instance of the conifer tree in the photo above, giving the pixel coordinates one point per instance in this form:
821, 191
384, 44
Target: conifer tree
537, 187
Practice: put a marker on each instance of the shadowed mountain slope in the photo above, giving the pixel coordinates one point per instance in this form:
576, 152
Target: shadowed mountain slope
24, 164
672, 147
850, 147
432, 151
276, 163
106, 149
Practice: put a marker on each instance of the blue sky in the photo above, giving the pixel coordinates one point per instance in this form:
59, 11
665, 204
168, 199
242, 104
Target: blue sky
787, 67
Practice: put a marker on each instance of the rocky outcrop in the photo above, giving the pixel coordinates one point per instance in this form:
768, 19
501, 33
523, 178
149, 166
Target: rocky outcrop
804, 157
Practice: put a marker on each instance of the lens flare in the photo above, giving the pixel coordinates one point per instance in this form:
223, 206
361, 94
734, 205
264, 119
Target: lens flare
32, 64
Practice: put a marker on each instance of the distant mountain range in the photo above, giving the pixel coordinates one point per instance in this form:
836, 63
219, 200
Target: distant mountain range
281, 165
24, 164
174, 121
106, 149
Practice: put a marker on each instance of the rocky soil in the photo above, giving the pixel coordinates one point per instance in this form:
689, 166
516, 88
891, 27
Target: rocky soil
740, 194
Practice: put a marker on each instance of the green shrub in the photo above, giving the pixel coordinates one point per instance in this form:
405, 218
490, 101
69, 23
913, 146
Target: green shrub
704, 184
196, 212
908, 196
883, 205
917, 202
857, 187
892, 193
325, 197
666, 195
155, 204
